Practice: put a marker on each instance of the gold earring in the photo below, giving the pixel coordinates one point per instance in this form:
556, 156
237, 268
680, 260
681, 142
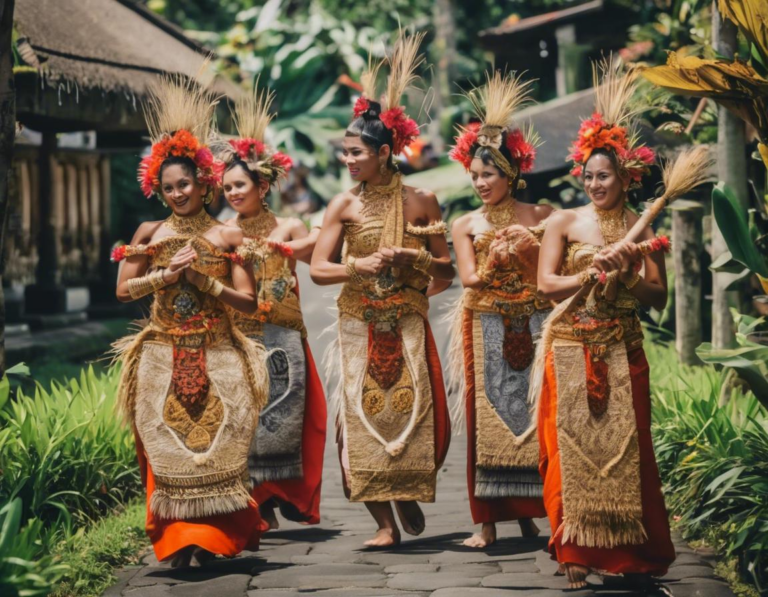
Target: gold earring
383, 168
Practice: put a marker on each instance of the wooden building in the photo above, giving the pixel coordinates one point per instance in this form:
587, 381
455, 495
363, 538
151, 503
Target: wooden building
82, 71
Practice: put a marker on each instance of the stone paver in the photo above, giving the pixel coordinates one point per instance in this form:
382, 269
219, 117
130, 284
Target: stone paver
329, 560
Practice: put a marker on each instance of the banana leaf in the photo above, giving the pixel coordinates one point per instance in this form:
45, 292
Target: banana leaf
751, 17
730, 219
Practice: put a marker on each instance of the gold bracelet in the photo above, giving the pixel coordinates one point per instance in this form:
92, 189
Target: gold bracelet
140, 287
353, 274
206, 284
215, 288
633, 282
423, 261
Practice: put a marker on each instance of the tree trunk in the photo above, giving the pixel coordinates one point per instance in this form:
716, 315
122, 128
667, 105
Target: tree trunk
7, 139
444, 56
686, 253
732, 169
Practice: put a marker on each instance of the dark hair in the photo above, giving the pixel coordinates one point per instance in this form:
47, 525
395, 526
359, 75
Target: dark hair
254, 176
611, 155
187, 164
484, 153
372, 131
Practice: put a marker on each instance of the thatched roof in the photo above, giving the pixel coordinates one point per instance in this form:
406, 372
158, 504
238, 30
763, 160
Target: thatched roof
549, 19
113, 45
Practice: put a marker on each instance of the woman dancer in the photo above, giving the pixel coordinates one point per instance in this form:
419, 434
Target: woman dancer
192, 385
499, 316
286, 460
393, 428
601, 484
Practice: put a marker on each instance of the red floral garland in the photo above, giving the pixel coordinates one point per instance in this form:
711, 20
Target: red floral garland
181, 144
595, 133
404, 130
248, 148
522, 152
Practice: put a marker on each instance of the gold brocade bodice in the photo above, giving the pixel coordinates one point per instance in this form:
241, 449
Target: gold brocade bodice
180, 313
609, 312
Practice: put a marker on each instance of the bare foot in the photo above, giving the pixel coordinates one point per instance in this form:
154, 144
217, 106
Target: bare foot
560, 570
200, 557
384, 538
268, 514
486, 537
577, 576
411, 517
182, 557
528, 528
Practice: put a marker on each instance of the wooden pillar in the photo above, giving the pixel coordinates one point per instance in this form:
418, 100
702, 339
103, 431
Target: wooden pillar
47, 274
687, 246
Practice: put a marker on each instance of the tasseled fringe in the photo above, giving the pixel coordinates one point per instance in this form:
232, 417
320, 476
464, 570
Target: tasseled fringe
261, 474
163, 505
127, 351
456, 384
492, 491
605, 529
332, 367
253, 356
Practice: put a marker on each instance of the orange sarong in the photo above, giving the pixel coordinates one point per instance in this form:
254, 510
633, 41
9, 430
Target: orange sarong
304, 493
223, 534
496, 510
654, 555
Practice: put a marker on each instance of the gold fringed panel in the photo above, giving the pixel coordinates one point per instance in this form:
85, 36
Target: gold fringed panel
454, 375
402, 466
496, 445
599, 457
127, 351
213, 479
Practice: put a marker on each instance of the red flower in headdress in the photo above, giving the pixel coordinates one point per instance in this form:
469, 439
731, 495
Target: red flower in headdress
247, 148
181, 144
361, 105
281, 160
404, 129
461, 152
522, 152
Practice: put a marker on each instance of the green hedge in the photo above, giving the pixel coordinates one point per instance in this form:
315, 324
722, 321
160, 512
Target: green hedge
713, 460
66, 460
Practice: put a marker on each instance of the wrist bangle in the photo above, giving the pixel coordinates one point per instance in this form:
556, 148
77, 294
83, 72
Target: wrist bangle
216, 287
423, 261
140, 287
633, 281
206, 284
353, 274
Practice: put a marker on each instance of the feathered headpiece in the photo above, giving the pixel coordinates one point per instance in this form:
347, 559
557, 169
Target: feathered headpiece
495, 104
252, 116
179, 116
611, 127
403, 62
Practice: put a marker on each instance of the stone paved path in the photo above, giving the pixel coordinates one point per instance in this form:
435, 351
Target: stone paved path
328, 560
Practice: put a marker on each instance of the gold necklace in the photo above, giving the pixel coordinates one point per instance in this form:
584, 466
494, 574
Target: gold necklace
500, 216
259, 226
191, 225
376, 198
612, 222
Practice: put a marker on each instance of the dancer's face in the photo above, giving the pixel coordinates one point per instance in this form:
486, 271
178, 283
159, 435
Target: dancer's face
489, 182
181, 190
362, 160
242, 193
602, 183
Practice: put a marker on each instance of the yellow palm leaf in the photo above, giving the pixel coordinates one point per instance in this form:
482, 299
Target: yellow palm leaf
751, 17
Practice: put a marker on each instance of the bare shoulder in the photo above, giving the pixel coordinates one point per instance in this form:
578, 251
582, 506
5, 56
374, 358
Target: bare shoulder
426, 202
543, 211
461, 224
233, 235
563, 217
230, 222
145, 232
295, 226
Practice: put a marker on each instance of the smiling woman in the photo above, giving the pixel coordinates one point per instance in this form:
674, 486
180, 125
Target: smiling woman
189, 370
385, 242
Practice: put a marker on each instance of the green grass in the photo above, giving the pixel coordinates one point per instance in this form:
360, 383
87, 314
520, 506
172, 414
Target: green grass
92, 555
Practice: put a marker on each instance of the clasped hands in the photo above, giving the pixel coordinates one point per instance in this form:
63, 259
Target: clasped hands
384, 258
180, 264
623, 256
513, 240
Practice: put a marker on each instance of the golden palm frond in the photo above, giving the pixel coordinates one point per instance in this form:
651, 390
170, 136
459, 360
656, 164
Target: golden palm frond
403, 62
251, 114
177, 102
751, 17
691, 168
502, 95
369, 77
615, 88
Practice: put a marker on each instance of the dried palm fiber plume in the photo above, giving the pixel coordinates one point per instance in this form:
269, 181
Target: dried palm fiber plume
370, 77
495, 104
689, 169
179, 115
252, 115
403, 62
615, 87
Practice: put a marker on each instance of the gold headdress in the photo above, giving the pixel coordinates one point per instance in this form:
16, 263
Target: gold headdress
495, 104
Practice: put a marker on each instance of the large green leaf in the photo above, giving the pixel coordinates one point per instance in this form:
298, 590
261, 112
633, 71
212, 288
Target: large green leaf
748, 361
729, 215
